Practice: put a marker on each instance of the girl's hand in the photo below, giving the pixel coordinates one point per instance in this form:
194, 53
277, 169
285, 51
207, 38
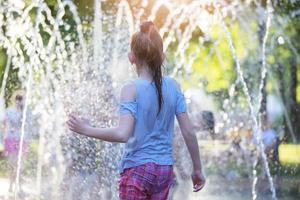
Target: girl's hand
198, 180
78, 125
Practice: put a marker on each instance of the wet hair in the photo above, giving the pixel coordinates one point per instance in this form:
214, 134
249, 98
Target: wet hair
147, 46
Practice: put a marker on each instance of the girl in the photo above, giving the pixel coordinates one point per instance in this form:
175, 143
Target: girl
12, 136
148, 106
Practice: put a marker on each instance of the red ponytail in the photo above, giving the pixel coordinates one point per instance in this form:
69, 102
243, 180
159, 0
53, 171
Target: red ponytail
147, 45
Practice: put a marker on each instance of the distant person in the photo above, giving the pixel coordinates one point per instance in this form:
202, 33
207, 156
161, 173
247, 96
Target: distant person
270, 141
12, 125
208, 123
147, 110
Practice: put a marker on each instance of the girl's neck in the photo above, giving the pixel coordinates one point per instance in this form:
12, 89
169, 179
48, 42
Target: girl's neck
143, 72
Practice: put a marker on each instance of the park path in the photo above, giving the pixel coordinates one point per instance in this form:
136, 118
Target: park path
216, 189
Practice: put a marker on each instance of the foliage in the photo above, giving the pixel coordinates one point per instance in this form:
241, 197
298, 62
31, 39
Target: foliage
13, 82
213, 68
289, 154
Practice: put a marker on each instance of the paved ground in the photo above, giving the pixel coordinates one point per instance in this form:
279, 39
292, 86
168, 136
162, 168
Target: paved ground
5, 195
217, 188
3, 188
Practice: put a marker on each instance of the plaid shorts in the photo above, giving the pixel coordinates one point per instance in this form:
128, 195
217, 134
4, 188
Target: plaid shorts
147, 181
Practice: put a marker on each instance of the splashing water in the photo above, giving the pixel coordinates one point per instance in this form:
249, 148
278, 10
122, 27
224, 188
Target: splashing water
78, 69
254, 115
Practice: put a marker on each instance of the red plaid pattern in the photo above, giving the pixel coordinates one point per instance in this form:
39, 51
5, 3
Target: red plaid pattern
148, 181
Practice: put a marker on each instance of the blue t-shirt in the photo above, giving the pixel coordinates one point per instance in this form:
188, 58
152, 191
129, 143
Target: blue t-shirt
152, 138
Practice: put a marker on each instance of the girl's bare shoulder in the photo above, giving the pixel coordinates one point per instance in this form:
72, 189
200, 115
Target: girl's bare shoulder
128, 91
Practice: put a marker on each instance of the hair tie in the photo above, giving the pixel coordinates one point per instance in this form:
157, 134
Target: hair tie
145, 27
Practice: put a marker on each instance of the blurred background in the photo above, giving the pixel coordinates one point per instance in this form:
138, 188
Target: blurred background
237, 62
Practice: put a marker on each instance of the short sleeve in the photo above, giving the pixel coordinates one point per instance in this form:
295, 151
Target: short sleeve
128, 107
180, 102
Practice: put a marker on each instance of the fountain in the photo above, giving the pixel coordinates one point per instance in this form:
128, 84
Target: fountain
71, 64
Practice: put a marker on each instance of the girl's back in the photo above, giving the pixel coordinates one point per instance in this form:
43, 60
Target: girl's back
152, 138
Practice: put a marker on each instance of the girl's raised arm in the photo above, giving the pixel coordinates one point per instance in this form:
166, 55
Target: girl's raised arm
120, 133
